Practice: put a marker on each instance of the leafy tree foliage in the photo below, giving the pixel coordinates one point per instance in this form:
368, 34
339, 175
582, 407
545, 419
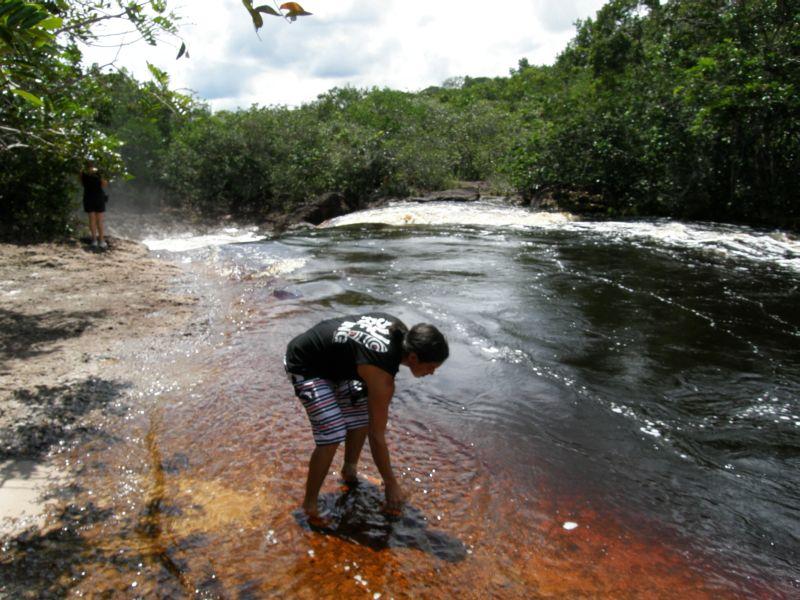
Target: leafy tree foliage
143, 117
362, 143
47, 125
54, 115
238, 163
687, 108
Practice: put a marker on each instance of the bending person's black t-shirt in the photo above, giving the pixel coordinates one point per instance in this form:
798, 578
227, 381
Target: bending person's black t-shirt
334, 348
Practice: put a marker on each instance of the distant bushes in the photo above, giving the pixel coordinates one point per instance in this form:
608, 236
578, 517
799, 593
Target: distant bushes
361, 143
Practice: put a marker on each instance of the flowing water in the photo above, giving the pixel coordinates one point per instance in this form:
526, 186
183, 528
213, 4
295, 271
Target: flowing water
619, 418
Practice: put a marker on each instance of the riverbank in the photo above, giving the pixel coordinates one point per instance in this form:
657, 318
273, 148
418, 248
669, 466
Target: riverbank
67, 315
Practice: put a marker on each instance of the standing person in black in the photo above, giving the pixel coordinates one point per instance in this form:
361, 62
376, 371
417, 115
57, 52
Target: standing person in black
343, 371
94, 202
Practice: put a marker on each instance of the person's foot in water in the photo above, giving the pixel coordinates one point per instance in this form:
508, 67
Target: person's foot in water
315, 519
349, 475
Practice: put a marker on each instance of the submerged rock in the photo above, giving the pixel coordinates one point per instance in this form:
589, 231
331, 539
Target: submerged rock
324, 207
465, 194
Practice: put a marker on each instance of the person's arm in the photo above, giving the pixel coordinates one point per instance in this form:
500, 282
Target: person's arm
380, 388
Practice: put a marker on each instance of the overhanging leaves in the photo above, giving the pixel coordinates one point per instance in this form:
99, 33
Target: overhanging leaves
268, 10
35, 100
294, 10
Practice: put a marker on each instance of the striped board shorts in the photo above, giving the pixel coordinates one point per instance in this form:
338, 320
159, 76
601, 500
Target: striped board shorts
333, 407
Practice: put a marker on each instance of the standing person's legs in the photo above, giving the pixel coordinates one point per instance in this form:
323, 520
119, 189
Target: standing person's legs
93, 225
100, 232
318, 466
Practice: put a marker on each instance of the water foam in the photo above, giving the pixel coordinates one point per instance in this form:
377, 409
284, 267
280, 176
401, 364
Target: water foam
724, 241
448, 213
188, 242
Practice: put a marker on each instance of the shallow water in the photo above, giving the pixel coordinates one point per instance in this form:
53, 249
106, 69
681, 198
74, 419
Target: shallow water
619, 417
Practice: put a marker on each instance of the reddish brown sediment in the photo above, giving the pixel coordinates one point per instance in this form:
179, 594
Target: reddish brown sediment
230, 514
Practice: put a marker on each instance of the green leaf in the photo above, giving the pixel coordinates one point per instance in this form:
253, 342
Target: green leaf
52, 23
258, 21
21, 14
165, 23
268, 10
41, 40
160, 76
35, 100
34, 19
7, 7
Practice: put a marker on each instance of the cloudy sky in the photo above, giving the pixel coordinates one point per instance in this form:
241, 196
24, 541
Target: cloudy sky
401, 44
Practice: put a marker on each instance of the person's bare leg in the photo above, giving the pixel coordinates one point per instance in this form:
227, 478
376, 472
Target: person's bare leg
100, 232
318, 467
93, 225
353, 444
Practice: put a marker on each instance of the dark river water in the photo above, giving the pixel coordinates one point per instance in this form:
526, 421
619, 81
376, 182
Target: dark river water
619, 417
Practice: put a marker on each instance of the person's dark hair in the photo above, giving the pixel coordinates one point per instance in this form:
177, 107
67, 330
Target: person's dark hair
427, 343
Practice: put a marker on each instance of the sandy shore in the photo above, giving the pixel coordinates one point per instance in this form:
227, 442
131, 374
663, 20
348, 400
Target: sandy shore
67, 314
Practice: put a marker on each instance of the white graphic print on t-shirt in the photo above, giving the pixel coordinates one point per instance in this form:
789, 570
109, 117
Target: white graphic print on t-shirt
372, 332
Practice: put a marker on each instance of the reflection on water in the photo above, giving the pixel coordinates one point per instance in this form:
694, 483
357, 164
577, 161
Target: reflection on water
616, 420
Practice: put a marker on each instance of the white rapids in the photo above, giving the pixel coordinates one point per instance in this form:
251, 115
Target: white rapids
726, 241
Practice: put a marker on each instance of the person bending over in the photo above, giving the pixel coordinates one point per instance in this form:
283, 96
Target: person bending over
343, 371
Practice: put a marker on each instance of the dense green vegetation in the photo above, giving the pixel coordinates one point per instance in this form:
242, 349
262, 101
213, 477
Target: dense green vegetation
362, 143
48, 126
687, 108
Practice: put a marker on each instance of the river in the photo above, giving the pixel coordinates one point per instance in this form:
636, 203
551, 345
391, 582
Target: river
619, 416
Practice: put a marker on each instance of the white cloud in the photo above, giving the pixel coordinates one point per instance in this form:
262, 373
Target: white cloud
408, 45
559, 17
221, 80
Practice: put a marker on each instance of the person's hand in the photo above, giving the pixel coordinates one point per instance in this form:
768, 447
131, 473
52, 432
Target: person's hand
395, 498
